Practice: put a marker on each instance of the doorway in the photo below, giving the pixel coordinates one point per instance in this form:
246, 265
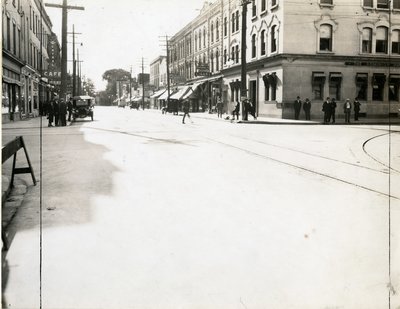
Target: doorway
253, 94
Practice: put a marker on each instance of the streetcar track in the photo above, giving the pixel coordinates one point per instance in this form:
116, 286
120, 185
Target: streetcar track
313, 155
372, 157
304, 169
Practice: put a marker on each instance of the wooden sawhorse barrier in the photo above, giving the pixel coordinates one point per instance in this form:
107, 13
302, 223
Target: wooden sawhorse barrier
9, 150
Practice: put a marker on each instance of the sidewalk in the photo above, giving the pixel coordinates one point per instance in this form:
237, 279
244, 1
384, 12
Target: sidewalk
272, 120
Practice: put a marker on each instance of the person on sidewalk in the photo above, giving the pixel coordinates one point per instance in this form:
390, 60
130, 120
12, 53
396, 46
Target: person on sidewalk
357, 105
56, 112
219, 107
50, 114
69, 108
307, 108
333, 110
236, 111
347, 110
63, 113
297, 108
251, 108
326, 108
186, 107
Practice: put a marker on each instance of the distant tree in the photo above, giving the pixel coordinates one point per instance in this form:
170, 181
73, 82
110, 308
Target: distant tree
112, 76
89, 87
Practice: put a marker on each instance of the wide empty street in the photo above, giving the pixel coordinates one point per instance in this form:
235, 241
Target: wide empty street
142, 211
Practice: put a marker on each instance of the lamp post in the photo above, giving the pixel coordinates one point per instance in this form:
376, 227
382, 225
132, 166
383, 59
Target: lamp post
243, 78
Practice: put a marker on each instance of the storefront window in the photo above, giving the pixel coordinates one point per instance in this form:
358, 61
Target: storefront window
335, 82
378, 85
318, 82
361, 86
5, 102
394, 83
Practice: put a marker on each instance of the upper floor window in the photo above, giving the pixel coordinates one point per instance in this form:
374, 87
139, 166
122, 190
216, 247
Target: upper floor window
217, 60
396, 4
367, 40
225, 56
217, 30
233, 23
212, 32
225, 26
262, 49
195, 42
237, 53
274, 3
273, 39
237, 20
254, 8
368, 3
396, 42
8, 46
383, 4
381, 40
200, 40
253, 46
263, 5
325, 37
204, 37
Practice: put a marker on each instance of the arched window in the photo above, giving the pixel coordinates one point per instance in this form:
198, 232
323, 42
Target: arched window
262, 47
217, 30
325, 37
212, 61
204, 37
217, 60
253, 46
273, 39
367, 40
225, 26
200, 39
225, 56
204, 58
396, 42
381, 40
212, 32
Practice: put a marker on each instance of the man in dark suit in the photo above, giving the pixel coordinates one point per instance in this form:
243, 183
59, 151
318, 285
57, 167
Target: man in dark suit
63, 113
297, 108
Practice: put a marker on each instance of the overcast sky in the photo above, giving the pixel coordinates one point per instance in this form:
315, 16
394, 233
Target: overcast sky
117, 33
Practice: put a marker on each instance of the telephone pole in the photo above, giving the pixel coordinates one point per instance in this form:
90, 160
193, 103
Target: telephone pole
64, 50
168, 83
243, 78
142, 84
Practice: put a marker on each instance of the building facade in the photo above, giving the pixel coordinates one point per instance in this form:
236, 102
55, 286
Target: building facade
314, 49
26, 29
158, 72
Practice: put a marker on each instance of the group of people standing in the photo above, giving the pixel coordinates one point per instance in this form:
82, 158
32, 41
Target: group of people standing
56, 112
329, 109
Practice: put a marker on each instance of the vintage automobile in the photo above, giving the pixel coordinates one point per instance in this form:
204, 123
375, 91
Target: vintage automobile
82, 107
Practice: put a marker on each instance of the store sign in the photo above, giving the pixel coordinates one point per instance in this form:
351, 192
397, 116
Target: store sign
202, 70
52, 74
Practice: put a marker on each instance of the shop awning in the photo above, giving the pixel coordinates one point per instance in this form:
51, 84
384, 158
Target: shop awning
156, 94
235, 85
181, 92
192, 89
335, 76
9, 80
318, 77
164, 96
361, 78
379, 79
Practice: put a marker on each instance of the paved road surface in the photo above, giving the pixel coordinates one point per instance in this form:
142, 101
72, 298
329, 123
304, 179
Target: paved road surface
141, 211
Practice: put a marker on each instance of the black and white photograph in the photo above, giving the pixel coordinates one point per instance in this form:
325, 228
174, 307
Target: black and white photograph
200, 154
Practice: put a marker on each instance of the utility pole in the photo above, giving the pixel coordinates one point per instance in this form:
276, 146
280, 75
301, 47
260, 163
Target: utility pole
64, 50
79, 73
168, 83
142, 83
243, 80
73, 63
130, 86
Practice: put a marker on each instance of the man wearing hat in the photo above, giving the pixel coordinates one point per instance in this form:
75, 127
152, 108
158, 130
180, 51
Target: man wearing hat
347, 110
